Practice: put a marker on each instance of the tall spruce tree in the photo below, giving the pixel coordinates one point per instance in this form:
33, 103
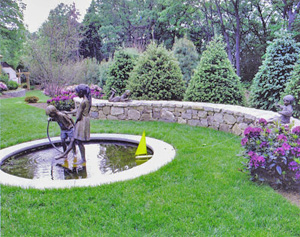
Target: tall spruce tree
187, 56
118, 72
156, 76
215, 80
270, 81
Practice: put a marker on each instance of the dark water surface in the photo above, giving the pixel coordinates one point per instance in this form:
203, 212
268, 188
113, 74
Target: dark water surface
101, 158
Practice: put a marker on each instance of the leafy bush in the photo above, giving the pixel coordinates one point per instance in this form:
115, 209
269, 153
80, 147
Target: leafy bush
103, 73
4, 78
293, 88
186, 53
270, 81
31, 99
3, 87
119, 72
273, 154
156, 76
92, 72
12, 85
215, 80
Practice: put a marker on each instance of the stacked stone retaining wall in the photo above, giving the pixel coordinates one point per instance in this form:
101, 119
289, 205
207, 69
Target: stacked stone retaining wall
228, 118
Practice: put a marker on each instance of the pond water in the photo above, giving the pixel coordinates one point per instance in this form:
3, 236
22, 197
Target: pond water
101, 158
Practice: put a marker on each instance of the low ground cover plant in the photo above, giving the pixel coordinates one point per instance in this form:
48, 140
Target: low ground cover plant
272, 154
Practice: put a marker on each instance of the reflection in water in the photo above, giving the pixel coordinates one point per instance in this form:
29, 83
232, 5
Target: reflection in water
102, 158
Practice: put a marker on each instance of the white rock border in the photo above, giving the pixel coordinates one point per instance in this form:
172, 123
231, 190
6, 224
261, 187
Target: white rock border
163, 153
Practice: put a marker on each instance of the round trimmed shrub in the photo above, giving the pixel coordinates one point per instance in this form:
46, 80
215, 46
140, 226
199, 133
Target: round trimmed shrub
215, 80
156, 76
31, 99
270, 81
12, 85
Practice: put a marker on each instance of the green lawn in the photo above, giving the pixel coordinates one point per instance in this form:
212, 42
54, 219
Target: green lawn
200, 193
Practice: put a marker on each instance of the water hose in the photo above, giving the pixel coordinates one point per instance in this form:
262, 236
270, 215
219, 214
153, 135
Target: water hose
50, 139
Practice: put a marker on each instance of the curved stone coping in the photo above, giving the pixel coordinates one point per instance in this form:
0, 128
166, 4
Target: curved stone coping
17, 93
229, 118
163, 153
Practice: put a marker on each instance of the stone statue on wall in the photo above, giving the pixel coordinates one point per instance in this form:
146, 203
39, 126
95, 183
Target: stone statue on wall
286, 109
122, 98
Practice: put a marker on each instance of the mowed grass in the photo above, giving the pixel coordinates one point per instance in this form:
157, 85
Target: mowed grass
200, 193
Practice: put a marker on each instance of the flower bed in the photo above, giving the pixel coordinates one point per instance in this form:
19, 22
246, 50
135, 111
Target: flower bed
273, 154
63, 101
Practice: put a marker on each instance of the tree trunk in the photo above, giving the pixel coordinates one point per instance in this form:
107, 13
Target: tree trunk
224, 33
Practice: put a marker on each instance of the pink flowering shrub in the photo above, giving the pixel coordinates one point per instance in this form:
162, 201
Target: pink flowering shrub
64, 100
96, 91
3, 86
273, 154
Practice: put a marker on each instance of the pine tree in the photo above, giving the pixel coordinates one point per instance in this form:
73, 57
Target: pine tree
187, 56
118, 72
156, 76
270, 81
215, 80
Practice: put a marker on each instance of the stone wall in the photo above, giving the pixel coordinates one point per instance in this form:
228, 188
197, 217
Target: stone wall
228, 118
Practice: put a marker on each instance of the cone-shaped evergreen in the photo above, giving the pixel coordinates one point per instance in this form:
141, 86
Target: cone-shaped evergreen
270, 81
118, 72
156, 76
293, 88
214, 79
187, 56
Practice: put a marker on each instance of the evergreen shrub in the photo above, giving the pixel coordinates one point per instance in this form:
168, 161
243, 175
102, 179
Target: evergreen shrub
293, 88
157, 76
12, 85
215, 80
119, 72
270, 81
187, 56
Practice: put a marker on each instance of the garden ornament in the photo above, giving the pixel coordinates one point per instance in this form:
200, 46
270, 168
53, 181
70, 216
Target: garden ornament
122, 98
82, 123
286, 109
65, 123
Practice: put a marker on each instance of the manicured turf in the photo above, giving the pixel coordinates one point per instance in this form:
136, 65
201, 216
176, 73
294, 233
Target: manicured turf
200, 193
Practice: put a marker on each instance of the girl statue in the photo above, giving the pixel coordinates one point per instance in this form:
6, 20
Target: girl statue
82, 123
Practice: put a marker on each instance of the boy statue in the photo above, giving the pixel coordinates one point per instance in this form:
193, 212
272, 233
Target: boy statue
65, 123
286, 109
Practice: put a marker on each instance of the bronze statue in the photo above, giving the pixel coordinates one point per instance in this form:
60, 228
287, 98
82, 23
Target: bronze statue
82, 123
122, 98
65, 123
286, 109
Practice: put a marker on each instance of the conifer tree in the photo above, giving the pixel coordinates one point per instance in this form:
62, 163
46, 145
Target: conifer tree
187, 56
156, 76
215, 80
270, 81
118, 72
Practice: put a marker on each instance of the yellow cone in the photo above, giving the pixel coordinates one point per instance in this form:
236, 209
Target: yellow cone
142, 148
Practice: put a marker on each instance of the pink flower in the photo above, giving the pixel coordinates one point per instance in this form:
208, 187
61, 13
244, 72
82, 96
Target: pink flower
281, 137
